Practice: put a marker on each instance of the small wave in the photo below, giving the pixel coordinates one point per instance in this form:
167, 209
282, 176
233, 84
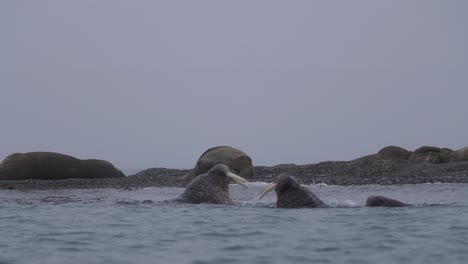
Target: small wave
263, 184
132, 201
255, 204
126, 202
317, 184
236, 248
258, 184
345, 204
60, 199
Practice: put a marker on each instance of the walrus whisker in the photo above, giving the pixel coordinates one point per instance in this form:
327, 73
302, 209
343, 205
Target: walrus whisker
267, 189
238, 179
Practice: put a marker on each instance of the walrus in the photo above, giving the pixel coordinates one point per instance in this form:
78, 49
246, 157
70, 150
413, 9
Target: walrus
386, 153
460, 155
377, 200
427, 149
446, 154
432, 154
432, 157
211, 187
426, 154
54, 166
393, 153
290, 194
235, 159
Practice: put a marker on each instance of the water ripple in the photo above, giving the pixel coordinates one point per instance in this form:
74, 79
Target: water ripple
114, 226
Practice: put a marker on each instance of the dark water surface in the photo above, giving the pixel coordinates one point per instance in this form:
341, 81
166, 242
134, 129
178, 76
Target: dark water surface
118, 226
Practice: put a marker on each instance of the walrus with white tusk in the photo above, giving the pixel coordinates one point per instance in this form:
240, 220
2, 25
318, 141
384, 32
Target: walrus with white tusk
290, 194
211, 187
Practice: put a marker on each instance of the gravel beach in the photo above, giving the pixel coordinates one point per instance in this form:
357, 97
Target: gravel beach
382, 172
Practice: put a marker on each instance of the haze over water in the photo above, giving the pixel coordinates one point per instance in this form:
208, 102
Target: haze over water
155, 83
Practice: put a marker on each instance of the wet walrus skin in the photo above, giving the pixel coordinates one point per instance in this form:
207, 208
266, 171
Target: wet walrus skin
54, 166
211, 187
237, 161
290, 194
382, 201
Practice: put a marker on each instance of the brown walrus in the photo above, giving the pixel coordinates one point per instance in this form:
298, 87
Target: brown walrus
387, 153
211, 187
290, 194
446, 154
427, 149
54, 166
419, 157
394, 153
460, 155
432, 154
237, 161
382, 201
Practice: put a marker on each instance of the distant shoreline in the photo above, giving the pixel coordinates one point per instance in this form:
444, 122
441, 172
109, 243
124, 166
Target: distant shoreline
383, 172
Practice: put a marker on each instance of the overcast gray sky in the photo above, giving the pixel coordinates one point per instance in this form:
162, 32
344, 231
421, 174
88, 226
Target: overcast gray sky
155, 83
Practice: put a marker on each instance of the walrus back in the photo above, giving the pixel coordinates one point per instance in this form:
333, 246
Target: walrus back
235, 159
53, 166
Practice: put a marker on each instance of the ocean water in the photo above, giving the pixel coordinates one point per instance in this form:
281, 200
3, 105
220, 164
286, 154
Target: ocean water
130, 226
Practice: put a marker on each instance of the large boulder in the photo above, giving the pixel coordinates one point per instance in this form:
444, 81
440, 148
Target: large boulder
237, 161
54, 166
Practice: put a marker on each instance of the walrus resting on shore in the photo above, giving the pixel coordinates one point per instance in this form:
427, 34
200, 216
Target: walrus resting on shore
54, 166
211, 187
393, 153
235, 159
423, 154
386, 153
460, 155
290, 194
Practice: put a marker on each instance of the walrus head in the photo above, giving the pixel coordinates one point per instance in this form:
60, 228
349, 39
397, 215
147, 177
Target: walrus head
290, 194
211, 187
221, 175
376, 200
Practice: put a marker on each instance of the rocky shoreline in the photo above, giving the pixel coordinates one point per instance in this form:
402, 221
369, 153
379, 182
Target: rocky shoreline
361, 172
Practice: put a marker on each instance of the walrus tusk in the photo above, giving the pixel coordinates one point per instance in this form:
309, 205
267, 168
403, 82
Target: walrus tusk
238, 179
267, 189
